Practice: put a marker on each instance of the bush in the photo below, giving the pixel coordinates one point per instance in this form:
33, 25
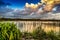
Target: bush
9, 31
39, 34
52, 36
27, 35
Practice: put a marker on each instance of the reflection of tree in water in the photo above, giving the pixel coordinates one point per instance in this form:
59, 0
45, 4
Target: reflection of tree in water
34, 24
53, 24
20, 25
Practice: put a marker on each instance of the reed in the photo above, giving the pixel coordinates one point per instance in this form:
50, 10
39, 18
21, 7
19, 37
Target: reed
8, 31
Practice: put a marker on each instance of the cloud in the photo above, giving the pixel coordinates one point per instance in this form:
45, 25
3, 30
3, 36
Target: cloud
50, 4
33, 7
31, 11
5, 11
26, 14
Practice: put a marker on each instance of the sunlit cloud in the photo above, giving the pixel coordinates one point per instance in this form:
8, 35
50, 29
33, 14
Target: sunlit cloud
37, 11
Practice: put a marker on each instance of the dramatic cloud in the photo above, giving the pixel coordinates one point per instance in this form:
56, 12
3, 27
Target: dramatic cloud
50, 4
5, 11
32, 11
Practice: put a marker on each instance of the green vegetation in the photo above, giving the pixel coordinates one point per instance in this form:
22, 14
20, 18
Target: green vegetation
9, 31
39, 34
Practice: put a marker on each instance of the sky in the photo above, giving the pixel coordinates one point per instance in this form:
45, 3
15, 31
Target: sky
31, 10
18, 3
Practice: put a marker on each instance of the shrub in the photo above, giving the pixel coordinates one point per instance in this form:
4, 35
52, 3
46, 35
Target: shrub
9, 31
27, 35
52, 36
39, 34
